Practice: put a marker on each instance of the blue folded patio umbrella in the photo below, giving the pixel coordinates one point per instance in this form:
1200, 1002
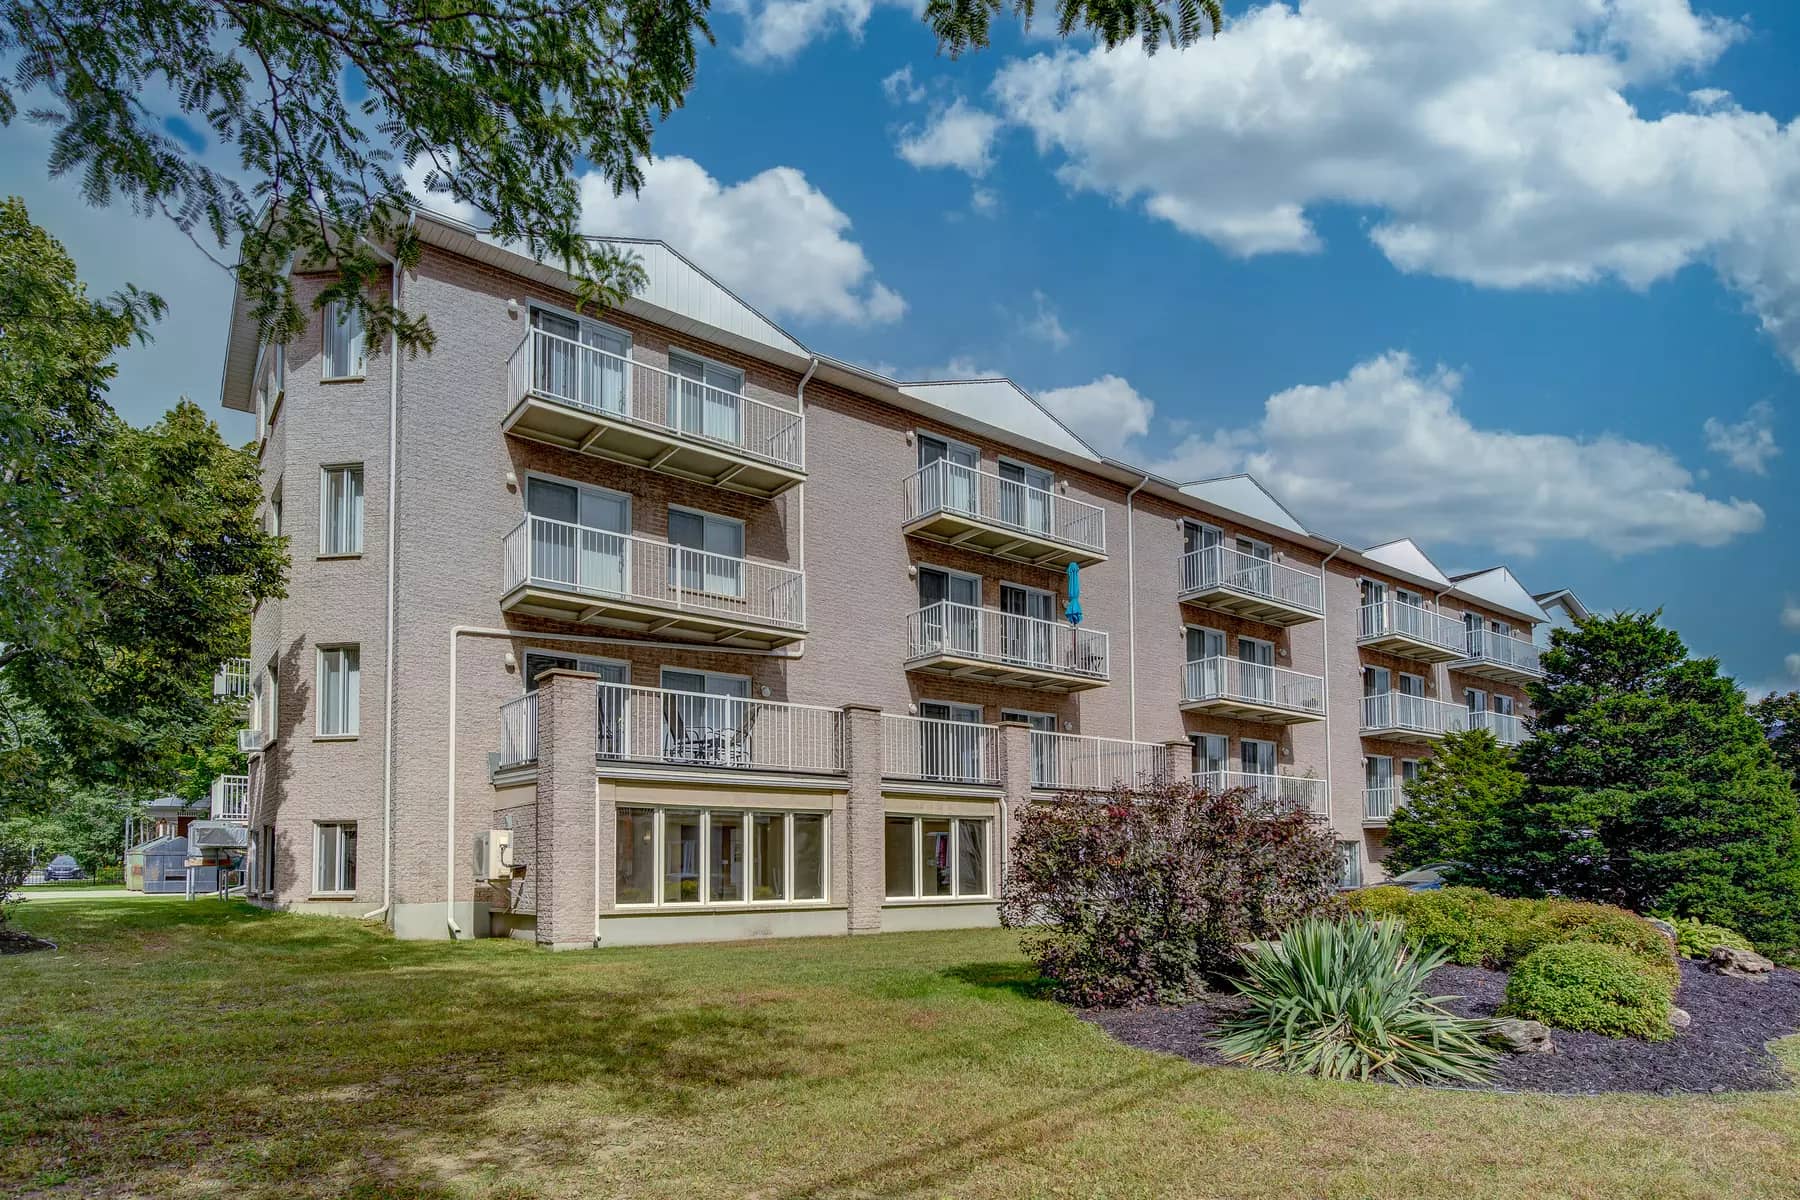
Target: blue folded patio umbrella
1073, 612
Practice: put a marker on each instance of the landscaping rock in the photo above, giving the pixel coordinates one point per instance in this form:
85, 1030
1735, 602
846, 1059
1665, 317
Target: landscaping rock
1664, 928
1739, 964
1521, 1037
1679, 1018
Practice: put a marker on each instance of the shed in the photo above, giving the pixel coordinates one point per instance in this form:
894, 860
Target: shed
165, 867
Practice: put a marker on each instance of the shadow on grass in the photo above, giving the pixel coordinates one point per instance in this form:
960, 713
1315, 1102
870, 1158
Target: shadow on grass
1019, 978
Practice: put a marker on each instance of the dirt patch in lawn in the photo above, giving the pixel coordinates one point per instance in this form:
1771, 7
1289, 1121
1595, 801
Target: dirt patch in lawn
14, 942
1725, 1049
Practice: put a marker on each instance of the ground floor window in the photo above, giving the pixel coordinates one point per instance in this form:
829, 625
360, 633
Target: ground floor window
719, 856
265, 859
936, 857
1349, 865
334, 860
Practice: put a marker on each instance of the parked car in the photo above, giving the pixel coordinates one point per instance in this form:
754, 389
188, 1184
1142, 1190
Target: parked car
63, 867
1428, 878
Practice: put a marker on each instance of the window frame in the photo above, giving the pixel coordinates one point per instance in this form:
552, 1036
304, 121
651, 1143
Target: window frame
1190, 627
954, 705
743, 387
956, 895
703, 866
321, 652
337, 877
326, 471
359, 343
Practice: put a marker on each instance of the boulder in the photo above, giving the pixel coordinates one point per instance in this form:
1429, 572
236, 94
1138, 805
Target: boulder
1521, 1037
1739, 964
1679, 1018
1664, 928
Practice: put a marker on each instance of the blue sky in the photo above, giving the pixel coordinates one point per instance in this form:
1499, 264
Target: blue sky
1480, 273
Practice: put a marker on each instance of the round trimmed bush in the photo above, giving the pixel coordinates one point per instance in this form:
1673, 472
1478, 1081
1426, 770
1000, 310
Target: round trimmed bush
1593, 987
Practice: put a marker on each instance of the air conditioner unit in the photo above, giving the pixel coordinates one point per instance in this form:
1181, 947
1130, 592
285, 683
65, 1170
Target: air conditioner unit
492, 850
250, 741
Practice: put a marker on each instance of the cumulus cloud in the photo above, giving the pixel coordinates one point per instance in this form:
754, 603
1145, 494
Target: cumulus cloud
774, 238
1106, 414
1790, 614
956, 135
1044, 325
1748, 444
1494, 141
901, 88
776, 31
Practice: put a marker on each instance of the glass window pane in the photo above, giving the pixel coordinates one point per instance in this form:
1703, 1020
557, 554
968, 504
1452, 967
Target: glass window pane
687, 529
352, 672
347, 860
971, 858
899, 856
726, 857
681, 856
635, 855
809, 856
769, 857
935, 879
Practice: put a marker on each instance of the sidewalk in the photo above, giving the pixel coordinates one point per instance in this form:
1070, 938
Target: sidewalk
98, 894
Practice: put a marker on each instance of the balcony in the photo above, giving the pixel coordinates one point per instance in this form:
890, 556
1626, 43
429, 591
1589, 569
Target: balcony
937, 751
232, 679
1229, 687
963, 506
991, 646
1411, 631
231, 798
1274, 793
1230, 581
1500, 657
1508, 728
1379, 804
566, 572
519, 731
1402, 718
581, 398
1074, 762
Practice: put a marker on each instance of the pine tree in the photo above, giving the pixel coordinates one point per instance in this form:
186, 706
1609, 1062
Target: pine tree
1460, 793
1651, 786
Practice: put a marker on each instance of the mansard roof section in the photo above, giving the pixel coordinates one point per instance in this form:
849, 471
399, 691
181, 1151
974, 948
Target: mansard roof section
1404, 555
1245, 495
1005, 407
1499, 587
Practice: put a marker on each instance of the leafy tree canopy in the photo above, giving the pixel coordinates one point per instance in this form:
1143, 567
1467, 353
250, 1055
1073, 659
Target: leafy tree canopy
320, 106
1459, 794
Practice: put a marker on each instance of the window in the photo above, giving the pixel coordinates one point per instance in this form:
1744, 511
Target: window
712, 554
1212, 759
1025, 496
341, 510
339, 685
953, 485
334, 858
581, 362
706, 398
269, 388
1349, 865
719, 857
273, 517
265, 860
264, 703
1476, 699
946, 751
936, 858
1503, 703
949, 617
579, 536
539, 661
343, 332
1027, 632
711, 722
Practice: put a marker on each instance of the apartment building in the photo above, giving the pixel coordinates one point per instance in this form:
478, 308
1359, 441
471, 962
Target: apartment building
660, 626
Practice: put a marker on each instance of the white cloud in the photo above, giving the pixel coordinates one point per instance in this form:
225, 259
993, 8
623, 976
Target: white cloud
1790, 614
984, 201
955, 135
1045, 325
1386, 452
1749, 444
1105, 414
1792, 663
773, 237
901, 88
960, 366
776, 31
1493, 141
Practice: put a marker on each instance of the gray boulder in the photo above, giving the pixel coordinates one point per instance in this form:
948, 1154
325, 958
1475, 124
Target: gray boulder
1664, 928
1679, 1018
1521, 1037
1739, 964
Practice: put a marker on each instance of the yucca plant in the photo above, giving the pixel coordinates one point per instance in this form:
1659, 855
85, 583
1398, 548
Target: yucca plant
1346, 1000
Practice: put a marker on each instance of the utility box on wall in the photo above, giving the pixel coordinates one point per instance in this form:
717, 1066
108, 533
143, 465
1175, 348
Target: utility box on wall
493, 854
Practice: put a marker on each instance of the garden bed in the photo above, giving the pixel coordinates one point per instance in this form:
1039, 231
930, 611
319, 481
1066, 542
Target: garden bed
1723, 1050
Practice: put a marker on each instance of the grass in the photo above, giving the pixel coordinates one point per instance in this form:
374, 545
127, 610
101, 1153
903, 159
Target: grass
210, 1049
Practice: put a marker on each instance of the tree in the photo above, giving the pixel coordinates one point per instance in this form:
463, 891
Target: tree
1650, 786
131, 557
1779, 716
1459, 794
324, 107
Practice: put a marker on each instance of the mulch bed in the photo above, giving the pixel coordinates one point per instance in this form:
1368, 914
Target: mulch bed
22, 943
1722, 1051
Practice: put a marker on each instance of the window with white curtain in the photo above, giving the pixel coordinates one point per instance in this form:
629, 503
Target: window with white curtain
935, 858
342, 328
341, 510
718, 568
334, 858
340, 680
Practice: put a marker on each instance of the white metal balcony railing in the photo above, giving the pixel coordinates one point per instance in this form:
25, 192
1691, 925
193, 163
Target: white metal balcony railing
1394, 618
1300, 793
1246, 574
231, 798
1078, 763
1233, 679
251, 741
519, 730
1379, 803
597, 562
1416, 714
989, 635
1508, 728
594, 380
695, 729
939, 750
1504, 650
944, 486
232, 678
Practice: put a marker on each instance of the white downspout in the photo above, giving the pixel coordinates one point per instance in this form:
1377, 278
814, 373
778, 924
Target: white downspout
801, 519
1325, 637
1131, 603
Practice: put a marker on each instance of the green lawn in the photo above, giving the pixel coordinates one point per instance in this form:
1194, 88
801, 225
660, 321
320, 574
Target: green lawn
209, 1049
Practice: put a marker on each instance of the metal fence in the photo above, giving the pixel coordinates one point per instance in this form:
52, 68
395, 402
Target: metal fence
938, 750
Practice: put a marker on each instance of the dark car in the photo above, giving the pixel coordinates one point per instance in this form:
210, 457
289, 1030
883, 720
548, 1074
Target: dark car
1428, 878
62, 867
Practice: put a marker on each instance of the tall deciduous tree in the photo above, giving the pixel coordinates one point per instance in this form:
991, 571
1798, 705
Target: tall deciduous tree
319, 107
1454, 803
1651, 786
129, 558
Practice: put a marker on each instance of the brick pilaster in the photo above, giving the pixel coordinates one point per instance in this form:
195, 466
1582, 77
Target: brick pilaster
864, 813
568, 723
1015, 780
